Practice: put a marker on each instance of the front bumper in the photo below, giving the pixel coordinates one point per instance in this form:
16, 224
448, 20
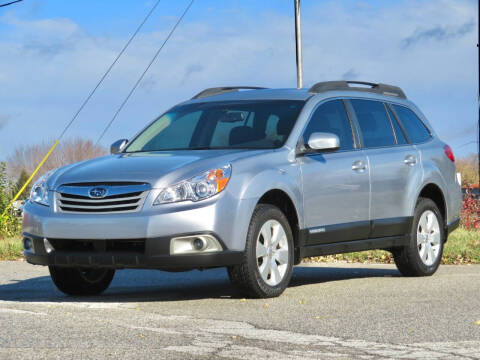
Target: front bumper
223, 215
150, 253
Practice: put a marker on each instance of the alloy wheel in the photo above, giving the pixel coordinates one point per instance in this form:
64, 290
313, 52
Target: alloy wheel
272, 252
428, 238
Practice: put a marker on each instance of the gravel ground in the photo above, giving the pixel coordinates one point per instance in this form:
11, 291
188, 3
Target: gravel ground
329, 311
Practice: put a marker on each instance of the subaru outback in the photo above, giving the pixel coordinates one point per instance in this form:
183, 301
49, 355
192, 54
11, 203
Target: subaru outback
254, 180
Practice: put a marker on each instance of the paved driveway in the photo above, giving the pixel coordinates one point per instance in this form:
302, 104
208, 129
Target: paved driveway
329, 311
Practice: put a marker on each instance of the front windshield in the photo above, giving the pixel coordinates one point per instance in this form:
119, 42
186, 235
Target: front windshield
220, 125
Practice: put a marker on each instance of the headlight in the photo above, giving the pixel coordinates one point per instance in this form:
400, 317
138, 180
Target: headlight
39, 192
197, 188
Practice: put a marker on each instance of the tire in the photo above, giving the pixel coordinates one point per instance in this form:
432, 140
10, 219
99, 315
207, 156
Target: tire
266, 219
81, 282
415, 259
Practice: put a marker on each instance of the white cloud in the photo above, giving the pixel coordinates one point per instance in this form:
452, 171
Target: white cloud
48, 66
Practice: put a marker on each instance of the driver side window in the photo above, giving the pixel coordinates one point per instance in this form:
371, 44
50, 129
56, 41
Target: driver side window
331, 117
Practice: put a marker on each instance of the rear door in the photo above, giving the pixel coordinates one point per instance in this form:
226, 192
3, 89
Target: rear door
392, 161
335, 184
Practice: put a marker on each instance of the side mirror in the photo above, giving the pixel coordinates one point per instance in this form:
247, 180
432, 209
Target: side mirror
323, 142
118, 146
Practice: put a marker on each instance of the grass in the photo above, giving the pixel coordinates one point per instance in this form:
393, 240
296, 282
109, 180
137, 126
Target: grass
11, 249
463, 247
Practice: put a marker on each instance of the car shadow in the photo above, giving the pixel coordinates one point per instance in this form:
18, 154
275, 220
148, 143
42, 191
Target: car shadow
153, 286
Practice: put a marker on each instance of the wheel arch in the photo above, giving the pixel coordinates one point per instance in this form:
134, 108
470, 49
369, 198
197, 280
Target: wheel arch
284, 202
433, 192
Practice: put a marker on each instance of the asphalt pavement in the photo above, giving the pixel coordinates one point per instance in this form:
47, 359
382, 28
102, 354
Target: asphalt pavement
338, 311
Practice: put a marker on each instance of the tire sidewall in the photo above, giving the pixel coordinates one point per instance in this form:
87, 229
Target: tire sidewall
422, 206
265, 213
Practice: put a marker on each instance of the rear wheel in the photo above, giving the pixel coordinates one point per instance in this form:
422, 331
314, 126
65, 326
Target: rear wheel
423, 254
81, 282
268, 261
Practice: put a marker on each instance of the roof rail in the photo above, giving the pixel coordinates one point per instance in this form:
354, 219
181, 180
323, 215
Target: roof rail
383, 89
222, 90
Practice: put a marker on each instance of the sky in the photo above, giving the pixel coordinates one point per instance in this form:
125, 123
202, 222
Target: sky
53, 52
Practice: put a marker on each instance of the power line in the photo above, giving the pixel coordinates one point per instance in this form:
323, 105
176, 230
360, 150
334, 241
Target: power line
144, 72
109, 69
83, 104
468, 143
10, 3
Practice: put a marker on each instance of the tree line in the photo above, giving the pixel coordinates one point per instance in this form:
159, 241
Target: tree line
18, 167
468, 167
24, 160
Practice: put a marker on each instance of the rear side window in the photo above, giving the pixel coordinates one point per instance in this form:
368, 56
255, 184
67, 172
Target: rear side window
331, 117
416, 130
374, 123
398, 131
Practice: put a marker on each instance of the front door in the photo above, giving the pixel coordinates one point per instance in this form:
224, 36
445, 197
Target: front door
335, 184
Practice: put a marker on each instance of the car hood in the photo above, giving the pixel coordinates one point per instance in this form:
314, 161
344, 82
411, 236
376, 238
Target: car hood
159, 169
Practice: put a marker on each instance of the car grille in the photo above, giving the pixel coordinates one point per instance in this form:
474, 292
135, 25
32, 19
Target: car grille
118, 198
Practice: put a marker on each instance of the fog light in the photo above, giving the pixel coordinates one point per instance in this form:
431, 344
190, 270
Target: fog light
27, 244
198, 244
194, 244
48, 247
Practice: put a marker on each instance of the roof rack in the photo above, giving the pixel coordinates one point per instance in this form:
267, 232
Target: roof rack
383, 89
223, 90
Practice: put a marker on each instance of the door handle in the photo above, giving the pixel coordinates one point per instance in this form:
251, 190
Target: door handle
410, 160
359, 166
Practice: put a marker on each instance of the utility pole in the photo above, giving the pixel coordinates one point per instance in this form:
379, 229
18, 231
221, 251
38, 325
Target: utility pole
478, 69
298, 41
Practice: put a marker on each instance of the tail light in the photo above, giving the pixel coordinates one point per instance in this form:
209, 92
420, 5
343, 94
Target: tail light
449, 153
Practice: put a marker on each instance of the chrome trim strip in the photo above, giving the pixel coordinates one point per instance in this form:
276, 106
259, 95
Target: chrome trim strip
93, 201
112, 190
98, 207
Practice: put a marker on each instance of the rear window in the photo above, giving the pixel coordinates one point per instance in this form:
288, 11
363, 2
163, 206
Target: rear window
374, 123
416, 130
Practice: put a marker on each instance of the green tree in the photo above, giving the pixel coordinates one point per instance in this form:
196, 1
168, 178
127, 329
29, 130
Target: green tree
4, 187
468, 167
9, 224
22, 179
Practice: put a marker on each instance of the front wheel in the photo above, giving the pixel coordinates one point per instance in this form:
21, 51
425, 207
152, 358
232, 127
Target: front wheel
268, 261
81, 282
423, 254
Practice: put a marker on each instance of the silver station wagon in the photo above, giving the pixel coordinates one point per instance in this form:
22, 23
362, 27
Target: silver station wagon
254, 180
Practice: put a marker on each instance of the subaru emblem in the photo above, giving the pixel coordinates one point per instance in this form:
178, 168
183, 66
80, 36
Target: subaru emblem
98, 193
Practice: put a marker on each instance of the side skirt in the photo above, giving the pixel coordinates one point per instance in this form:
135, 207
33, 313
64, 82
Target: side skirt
357, 245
